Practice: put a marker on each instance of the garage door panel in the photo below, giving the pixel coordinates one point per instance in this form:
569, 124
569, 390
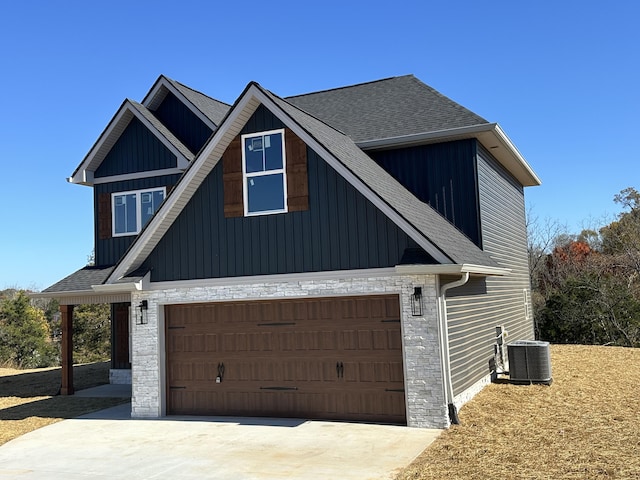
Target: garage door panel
365, 405
338, 358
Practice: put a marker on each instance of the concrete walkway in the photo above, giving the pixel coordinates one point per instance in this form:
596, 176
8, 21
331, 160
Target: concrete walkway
110, 445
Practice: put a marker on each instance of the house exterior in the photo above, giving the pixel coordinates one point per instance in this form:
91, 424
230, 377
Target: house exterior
344, 254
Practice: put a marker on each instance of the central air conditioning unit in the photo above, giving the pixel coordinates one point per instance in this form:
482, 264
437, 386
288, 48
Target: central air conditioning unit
529, 362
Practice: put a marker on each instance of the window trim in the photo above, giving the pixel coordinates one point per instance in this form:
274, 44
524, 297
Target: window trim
246, 176
138, 194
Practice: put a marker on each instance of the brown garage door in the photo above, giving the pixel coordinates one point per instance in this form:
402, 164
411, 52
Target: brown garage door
329, 358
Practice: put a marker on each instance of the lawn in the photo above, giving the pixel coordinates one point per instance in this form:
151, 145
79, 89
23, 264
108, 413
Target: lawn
586, 425
29, 400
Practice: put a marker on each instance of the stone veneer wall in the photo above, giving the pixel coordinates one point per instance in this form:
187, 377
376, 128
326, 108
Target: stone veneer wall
423, 372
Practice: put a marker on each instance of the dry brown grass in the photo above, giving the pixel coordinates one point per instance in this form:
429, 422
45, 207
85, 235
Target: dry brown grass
585, 426
29, 400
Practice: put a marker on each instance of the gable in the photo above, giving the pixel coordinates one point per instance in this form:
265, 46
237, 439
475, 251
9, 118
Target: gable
341, 230
209, 110
132, 118
136, 150
297, 194
183, 123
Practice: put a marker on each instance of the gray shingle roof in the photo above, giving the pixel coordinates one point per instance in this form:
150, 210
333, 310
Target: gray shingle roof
437, 229
215, 110
386, 108
82, 280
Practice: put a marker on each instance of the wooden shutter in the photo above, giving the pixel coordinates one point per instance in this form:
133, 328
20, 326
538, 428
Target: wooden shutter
232, 179
104, 216
297, 179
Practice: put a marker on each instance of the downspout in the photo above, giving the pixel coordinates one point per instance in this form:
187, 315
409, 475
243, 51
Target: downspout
444, 344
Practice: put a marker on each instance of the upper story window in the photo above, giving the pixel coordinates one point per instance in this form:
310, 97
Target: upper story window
132, 210
264, 173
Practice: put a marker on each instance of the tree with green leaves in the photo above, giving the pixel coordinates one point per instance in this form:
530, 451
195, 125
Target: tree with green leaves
25, 337
91, 333
589, 284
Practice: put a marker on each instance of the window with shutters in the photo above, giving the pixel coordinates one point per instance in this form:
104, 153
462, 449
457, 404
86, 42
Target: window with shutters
132, 210
264, 173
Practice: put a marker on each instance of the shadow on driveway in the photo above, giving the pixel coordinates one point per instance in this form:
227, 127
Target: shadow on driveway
108, 444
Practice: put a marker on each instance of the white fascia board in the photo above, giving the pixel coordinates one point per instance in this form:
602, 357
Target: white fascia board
84, 175
116, 126
452, 269
138, 175
399, 270
426, 137
118, 287
188, 184
517, 165
69, 293
166, 83
491, 135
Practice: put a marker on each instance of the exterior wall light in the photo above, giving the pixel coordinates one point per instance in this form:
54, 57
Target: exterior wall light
143, 306
416, 302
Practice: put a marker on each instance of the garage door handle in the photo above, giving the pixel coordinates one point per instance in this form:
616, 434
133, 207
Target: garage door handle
340, 369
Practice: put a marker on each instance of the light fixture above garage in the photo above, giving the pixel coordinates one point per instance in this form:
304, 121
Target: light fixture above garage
416, 302
142, 319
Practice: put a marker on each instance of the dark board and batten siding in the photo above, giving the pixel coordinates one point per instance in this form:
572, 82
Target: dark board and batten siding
342, 230
474, 314
137, 150
110, 249
442, 175
183, 123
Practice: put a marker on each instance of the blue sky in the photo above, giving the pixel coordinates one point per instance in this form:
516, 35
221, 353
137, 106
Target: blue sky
561, 78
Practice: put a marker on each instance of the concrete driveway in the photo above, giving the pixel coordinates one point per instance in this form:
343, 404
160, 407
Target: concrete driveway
109, 444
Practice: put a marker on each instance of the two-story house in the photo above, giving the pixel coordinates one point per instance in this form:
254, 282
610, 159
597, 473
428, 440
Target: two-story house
345, 254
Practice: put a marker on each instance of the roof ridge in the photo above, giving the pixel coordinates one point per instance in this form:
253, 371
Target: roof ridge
301, 109
344, 87
448, 98
195, 91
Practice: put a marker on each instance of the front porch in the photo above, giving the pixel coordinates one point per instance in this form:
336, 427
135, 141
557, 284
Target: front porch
85, 287
120, 369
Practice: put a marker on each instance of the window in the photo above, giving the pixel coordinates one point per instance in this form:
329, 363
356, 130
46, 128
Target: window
264, 177
132, 210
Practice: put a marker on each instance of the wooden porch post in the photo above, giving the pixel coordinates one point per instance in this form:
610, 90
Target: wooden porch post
66, 354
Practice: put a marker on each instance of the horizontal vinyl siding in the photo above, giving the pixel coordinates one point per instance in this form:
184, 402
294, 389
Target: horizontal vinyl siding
137, 150
109, 250
472, 314
342, 230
